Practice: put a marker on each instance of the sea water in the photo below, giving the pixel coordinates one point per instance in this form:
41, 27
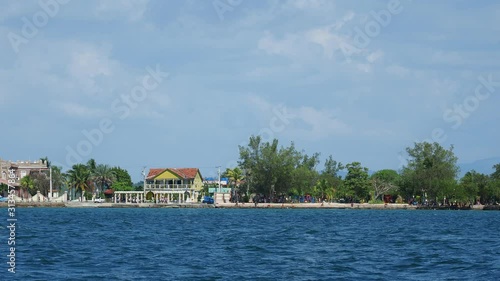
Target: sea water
253, 244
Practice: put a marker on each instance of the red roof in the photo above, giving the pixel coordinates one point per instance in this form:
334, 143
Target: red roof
187, 173
154, 172
109, 191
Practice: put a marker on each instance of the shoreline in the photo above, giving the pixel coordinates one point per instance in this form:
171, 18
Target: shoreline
358, 206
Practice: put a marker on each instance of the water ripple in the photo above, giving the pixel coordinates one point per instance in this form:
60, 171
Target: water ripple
223, 244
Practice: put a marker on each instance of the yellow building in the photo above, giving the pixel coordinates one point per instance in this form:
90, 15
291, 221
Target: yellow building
189, 178
165, 185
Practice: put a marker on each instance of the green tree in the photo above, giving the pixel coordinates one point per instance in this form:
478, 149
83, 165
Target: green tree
57, 178
103, 175
139, 186
234, 175
122, 186
472, 186
330, 182
305, 176
91, 165
123, 181
41, 182
122, 175
262, 160
431, 171
357, 183
494, 185
4, 190
28, 184
384, 182
45, 160
496, 174
79, 178
332, 167
274, 170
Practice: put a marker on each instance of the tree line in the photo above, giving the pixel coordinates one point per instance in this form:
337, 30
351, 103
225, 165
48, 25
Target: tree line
429, 177
82, 180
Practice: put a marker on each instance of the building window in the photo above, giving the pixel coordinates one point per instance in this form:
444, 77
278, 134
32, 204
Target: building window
23, 174
4, 175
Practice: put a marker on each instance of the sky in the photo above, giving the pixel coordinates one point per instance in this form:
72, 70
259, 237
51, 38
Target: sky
183, 83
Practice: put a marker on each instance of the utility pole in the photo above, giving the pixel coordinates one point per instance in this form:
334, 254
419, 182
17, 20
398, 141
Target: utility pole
143, 173
219, 178
50, 178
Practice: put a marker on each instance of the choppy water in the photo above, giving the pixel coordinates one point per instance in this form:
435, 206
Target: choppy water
232, 244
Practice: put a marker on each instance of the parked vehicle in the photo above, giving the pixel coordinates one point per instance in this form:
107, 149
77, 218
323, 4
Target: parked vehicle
207, 200
99, 200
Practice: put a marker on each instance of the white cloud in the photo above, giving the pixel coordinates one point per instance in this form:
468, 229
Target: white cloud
89, 63
306, 122
328, 40
260, 103
286, 46
79, 79
374, 56
78, 110
156, 106
78, 64
320, 42
300, 45
321, 123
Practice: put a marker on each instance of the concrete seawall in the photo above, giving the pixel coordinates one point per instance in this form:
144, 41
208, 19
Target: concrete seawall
318, 206
364, 206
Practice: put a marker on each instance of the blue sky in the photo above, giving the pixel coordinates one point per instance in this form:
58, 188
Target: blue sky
360, 80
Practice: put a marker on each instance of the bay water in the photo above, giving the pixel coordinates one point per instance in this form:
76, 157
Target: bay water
253, 244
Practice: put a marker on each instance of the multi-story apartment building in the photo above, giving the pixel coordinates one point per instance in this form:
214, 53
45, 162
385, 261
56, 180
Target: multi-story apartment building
19, 169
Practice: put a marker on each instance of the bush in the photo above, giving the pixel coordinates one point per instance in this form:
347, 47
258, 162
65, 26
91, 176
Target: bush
88, 195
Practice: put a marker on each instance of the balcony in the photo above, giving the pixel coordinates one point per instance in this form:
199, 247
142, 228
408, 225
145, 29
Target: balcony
171, 187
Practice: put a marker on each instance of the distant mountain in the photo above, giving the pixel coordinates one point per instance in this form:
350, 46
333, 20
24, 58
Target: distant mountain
484, 166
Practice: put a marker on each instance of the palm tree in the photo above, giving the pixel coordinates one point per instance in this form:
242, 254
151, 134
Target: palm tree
91, 164
79, 178
57, 177
322, 186
45, 160
235, 176
27, 183
104, 175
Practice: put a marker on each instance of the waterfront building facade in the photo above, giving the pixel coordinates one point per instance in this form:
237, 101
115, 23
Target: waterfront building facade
20, 169
165, 185
11, 173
